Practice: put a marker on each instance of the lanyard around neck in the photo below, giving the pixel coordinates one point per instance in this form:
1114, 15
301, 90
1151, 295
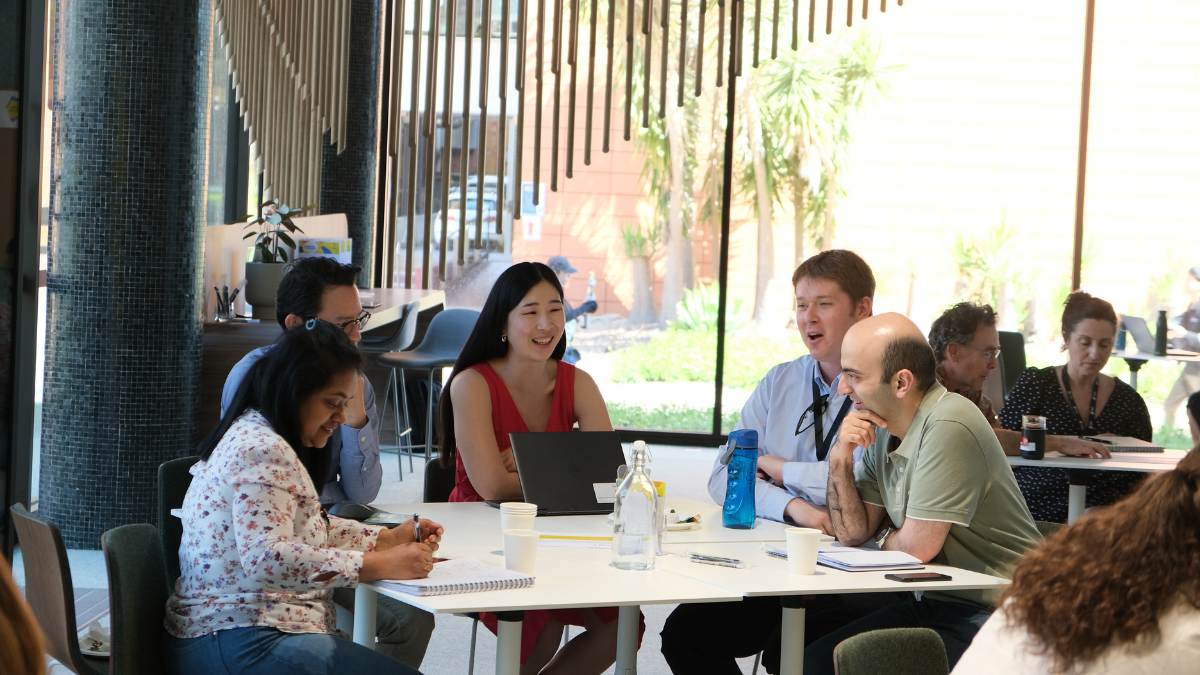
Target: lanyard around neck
1066, 381
818, 422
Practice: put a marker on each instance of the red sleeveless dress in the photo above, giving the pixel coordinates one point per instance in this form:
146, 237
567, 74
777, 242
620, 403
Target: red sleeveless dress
507, 419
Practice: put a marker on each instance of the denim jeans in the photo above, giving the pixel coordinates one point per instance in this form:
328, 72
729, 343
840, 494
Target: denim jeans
956, 623
260, 650
402, 630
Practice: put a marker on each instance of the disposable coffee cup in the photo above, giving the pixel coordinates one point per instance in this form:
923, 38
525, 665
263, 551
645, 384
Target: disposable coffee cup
516, 521
520, 550
1033, 437
802, 544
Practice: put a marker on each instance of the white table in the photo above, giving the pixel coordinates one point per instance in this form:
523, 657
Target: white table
1138, 359
566, 577
769, 577
1147, 462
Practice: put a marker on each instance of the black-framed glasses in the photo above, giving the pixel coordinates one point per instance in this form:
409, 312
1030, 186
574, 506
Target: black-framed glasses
817, 409
990, 354
361, 321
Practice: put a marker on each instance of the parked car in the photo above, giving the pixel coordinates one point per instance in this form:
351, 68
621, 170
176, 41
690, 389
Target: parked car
490, 238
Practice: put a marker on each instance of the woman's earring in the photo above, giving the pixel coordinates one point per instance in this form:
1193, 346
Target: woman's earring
504, 338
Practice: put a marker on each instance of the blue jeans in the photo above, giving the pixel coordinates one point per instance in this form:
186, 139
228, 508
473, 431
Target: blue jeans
260, 650
956, 623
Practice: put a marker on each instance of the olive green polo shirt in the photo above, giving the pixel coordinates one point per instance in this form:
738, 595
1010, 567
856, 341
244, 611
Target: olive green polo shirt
950, 468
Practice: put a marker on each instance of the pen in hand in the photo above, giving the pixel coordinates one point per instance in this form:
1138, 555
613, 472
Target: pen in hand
417, 528
1096, 440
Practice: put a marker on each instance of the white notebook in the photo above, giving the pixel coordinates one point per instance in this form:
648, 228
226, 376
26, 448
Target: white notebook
461, 575
852, 559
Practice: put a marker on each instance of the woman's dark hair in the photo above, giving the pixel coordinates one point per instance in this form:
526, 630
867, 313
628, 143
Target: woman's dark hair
1081, 306
302, 362
1103, 582
484, 343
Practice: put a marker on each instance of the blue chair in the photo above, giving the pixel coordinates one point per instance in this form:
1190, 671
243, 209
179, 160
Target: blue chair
401, 339
137, 596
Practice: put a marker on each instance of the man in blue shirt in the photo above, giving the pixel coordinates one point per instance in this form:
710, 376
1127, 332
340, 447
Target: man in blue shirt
324, 289
797, 411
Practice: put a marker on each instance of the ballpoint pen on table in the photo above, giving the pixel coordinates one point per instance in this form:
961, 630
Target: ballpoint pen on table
714, 562
1096, 439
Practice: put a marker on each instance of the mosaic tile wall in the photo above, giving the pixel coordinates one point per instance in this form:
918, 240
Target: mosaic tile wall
129, 169
348, 179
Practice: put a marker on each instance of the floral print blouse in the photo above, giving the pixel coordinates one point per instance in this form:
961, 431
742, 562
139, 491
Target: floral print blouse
255, 541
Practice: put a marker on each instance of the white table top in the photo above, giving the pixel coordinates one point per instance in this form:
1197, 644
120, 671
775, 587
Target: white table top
569, 577
477, 524
1148, 462
769, 575
1147, 356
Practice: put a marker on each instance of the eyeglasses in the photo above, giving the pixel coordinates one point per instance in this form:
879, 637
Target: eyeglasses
817, 409
990, 354
361, 321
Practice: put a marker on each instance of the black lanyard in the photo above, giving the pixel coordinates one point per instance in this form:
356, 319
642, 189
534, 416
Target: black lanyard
818, 415
1066, 380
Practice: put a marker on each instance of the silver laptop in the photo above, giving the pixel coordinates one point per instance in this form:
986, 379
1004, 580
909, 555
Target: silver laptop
1140, 333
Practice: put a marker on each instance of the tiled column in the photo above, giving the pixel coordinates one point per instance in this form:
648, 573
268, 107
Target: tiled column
130, 163
348, 179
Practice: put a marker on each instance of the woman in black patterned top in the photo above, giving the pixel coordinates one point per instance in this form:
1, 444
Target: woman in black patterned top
1092, 404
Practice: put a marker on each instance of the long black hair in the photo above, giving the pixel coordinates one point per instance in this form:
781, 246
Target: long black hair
303, 361
484, 343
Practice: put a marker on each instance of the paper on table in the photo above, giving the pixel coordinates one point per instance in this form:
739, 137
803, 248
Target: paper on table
857, 559
563, 539
606, 493
461, 575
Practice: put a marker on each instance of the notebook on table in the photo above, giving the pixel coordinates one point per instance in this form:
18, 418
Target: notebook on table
851, 559
461, 575
1126, 444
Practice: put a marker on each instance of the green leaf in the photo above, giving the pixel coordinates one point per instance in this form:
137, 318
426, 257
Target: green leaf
248, 235
243, 219
283, 254
274, 219
286, 239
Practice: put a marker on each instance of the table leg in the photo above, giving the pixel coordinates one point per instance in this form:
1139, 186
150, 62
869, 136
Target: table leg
508, 642
628, 618
365, 603
791, 658
1076, 494
1134, 366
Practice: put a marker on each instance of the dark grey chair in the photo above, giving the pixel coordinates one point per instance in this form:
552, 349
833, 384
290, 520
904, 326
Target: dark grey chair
174, 479
1012, 359
443, 341
137, 596
402, 338
1046, 529
892, 651
50, 593
439, 482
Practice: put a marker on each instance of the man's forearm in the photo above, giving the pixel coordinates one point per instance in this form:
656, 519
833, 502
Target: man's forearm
846, 510
1010, 441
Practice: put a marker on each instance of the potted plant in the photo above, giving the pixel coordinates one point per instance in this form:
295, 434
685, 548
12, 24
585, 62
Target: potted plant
271, 243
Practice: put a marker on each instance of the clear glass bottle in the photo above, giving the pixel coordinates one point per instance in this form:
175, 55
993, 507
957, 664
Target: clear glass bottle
635, 517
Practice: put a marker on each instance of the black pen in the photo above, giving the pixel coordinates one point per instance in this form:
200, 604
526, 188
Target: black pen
1097, 440
417, 528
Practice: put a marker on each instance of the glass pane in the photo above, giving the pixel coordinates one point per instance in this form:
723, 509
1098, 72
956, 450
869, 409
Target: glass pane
1141, 189
218, 131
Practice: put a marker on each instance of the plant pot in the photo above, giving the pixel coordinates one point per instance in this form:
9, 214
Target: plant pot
262, 280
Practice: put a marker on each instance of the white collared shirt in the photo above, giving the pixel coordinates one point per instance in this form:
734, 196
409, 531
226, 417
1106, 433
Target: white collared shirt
774, 410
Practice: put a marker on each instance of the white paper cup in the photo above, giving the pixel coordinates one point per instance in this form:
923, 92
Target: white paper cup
516, 521
517, 507
802, 543
520, 550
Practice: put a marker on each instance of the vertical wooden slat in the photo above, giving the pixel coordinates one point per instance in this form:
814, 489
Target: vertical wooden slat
647, 71
428, 132
664, 58
720, 42
683, 35
700, 47
447, 132
556, 113
757, 30
850, 12
573, 62
828, 16
629, 18
485, 70
506, 11
812, 18
519, 150
465, 132
775, 30
591, 83
537, 108
414, 131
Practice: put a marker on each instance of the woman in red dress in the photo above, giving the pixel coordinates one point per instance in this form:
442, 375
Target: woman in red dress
510, 378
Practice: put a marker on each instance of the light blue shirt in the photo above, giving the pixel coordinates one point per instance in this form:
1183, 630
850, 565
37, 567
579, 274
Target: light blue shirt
359, 473
773, 410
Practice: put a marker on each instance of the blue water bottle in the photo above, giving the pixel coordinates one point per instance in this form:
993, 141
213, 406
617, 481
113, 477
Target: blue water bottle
741, 454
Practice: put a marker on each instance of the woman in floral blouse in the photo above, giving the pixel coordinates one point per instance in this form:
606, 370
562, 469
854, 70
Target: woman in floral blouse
260, 557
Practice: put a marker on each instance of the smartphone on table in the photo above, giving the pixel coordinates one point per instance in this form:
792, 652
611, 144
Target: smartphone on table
918, 576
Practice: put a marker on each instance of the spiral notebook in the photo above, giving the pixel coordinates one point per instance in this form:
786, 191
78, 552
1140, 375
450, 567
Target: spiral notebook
461, 575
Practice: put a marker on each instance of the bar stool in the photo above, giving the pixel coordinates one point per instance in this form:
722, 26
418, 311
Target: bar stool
401, 339
439, 348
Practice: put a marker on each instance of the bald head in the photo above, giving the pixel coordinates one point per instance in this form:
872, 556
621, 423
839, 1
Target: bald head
887, 344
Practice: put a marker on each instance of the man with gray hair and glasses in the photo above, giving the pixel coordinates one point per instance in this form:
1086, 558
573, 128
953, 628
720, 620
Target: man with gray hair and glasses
966, 345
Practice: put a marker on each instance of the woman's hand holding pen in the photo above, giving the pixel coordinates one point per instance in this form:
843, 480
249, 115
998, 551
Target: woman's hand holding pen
431, 535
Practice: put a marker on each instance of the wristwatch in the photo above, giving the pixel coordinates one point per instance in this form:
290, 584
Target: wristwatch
883, 535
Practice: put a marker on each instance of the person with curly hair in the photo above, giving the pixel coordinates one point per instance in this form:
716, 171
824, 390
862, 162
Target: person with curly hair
1114, 593
966, 346
21, 638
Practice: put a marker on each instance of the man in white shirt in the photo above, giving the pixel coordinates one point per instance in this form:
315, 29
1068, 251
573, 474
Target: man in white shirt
797, 411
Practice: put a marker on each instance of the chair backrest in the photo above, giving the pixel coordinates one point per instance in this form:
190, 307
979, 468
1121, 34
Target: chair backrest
892, 651
1012, 359
439, 482
174, 478
448, 332
48, 587
403, 334
137, 597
